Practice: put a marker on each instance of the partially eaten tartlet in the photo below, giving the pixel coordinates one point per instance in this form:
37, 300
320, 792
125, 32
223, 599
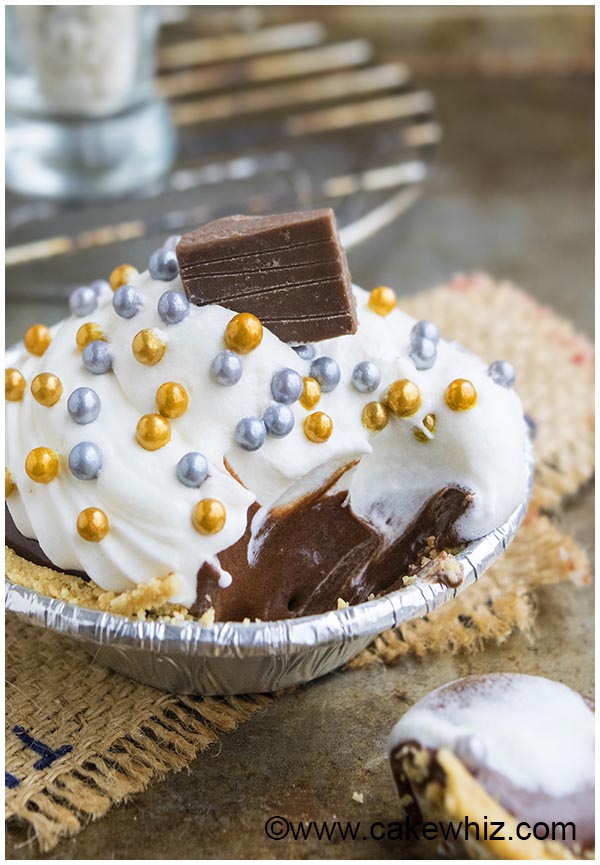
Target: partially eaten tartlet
241, 430
505, 763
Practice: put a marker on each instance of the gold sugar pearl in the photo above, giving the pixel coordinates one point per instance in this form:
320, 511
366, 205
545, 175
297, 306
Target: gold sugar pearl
92, 525
172, 399
460, 395
311, 392
9, 484
148, 348
41, 465
87, 333
37, 339
243, 333
318, 426
403, 398
429, 424
382, 300
208, 516
375, 416
14, 385
46, 389
153, 432
121, 275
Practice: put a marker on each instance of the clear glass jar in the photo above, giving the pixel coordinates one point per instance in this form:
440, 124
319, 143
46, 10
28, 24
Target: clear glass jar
82, 117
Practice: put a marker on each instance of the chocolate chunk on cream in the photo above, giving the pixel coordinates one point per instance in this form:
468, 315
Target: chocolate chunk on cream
289, 269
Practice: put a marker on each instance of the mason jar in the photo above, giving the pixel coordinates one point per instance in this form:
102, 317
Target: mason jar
82, 117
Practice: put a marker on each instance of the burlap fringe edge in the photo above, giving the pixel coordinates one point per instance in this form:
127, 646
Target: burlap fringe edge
181, 729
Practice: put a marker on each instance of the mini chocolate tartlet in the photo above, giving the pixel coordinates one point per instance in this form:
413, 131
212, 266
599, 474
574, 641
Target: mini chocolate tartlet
510, 755
242, 433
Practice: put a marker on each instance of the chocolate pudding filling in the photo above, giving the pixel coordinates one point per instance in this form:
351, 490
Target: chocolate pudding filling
309, 555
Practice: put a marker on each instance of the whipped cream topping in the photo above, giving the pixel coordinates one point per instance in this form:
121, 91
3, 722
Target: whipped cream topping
536, 732
151, 533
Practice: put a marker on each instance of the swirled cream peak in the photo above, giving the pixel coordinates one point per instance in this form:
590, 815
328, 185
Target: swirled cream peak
153, 523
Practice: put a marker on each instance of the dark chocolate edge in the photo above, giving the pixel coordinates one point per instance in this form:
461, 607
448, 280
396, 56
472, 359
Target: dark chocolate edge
29, 548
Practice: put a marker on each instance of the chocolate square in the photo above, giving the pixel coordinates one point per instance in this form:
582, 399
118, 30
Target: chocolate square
289, 269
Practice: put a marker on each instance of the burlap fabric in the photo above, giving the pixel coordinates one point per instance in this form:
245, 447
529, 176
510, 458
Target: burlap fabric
73, 752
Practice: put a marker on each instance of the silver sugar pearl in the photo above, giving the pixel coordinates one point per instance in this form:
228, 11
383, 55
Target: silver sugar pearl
171, 242
250, 433
85, 461
173, 307
127, 301
278, 419
531, 426
366, 376
83, 301
97, 357
425, 330
163, 265
306, 352
327, 373
423, 352
84, 405
192, 469
286, 385
226, 369
101, 288
470, 750
502, 372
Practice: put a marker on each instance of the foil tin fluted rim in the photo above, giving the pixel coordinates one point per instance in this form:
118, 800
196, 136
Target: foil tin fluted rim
281, 638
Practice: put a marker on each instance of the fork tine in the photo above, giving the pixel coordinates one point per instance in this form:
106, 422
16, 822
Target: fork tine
323, 88
360, 113
231, 46
291, 64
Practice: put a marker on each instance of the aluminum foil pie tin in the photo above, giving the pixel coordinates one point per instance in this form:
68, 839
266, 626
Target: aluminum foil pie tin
236, 658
